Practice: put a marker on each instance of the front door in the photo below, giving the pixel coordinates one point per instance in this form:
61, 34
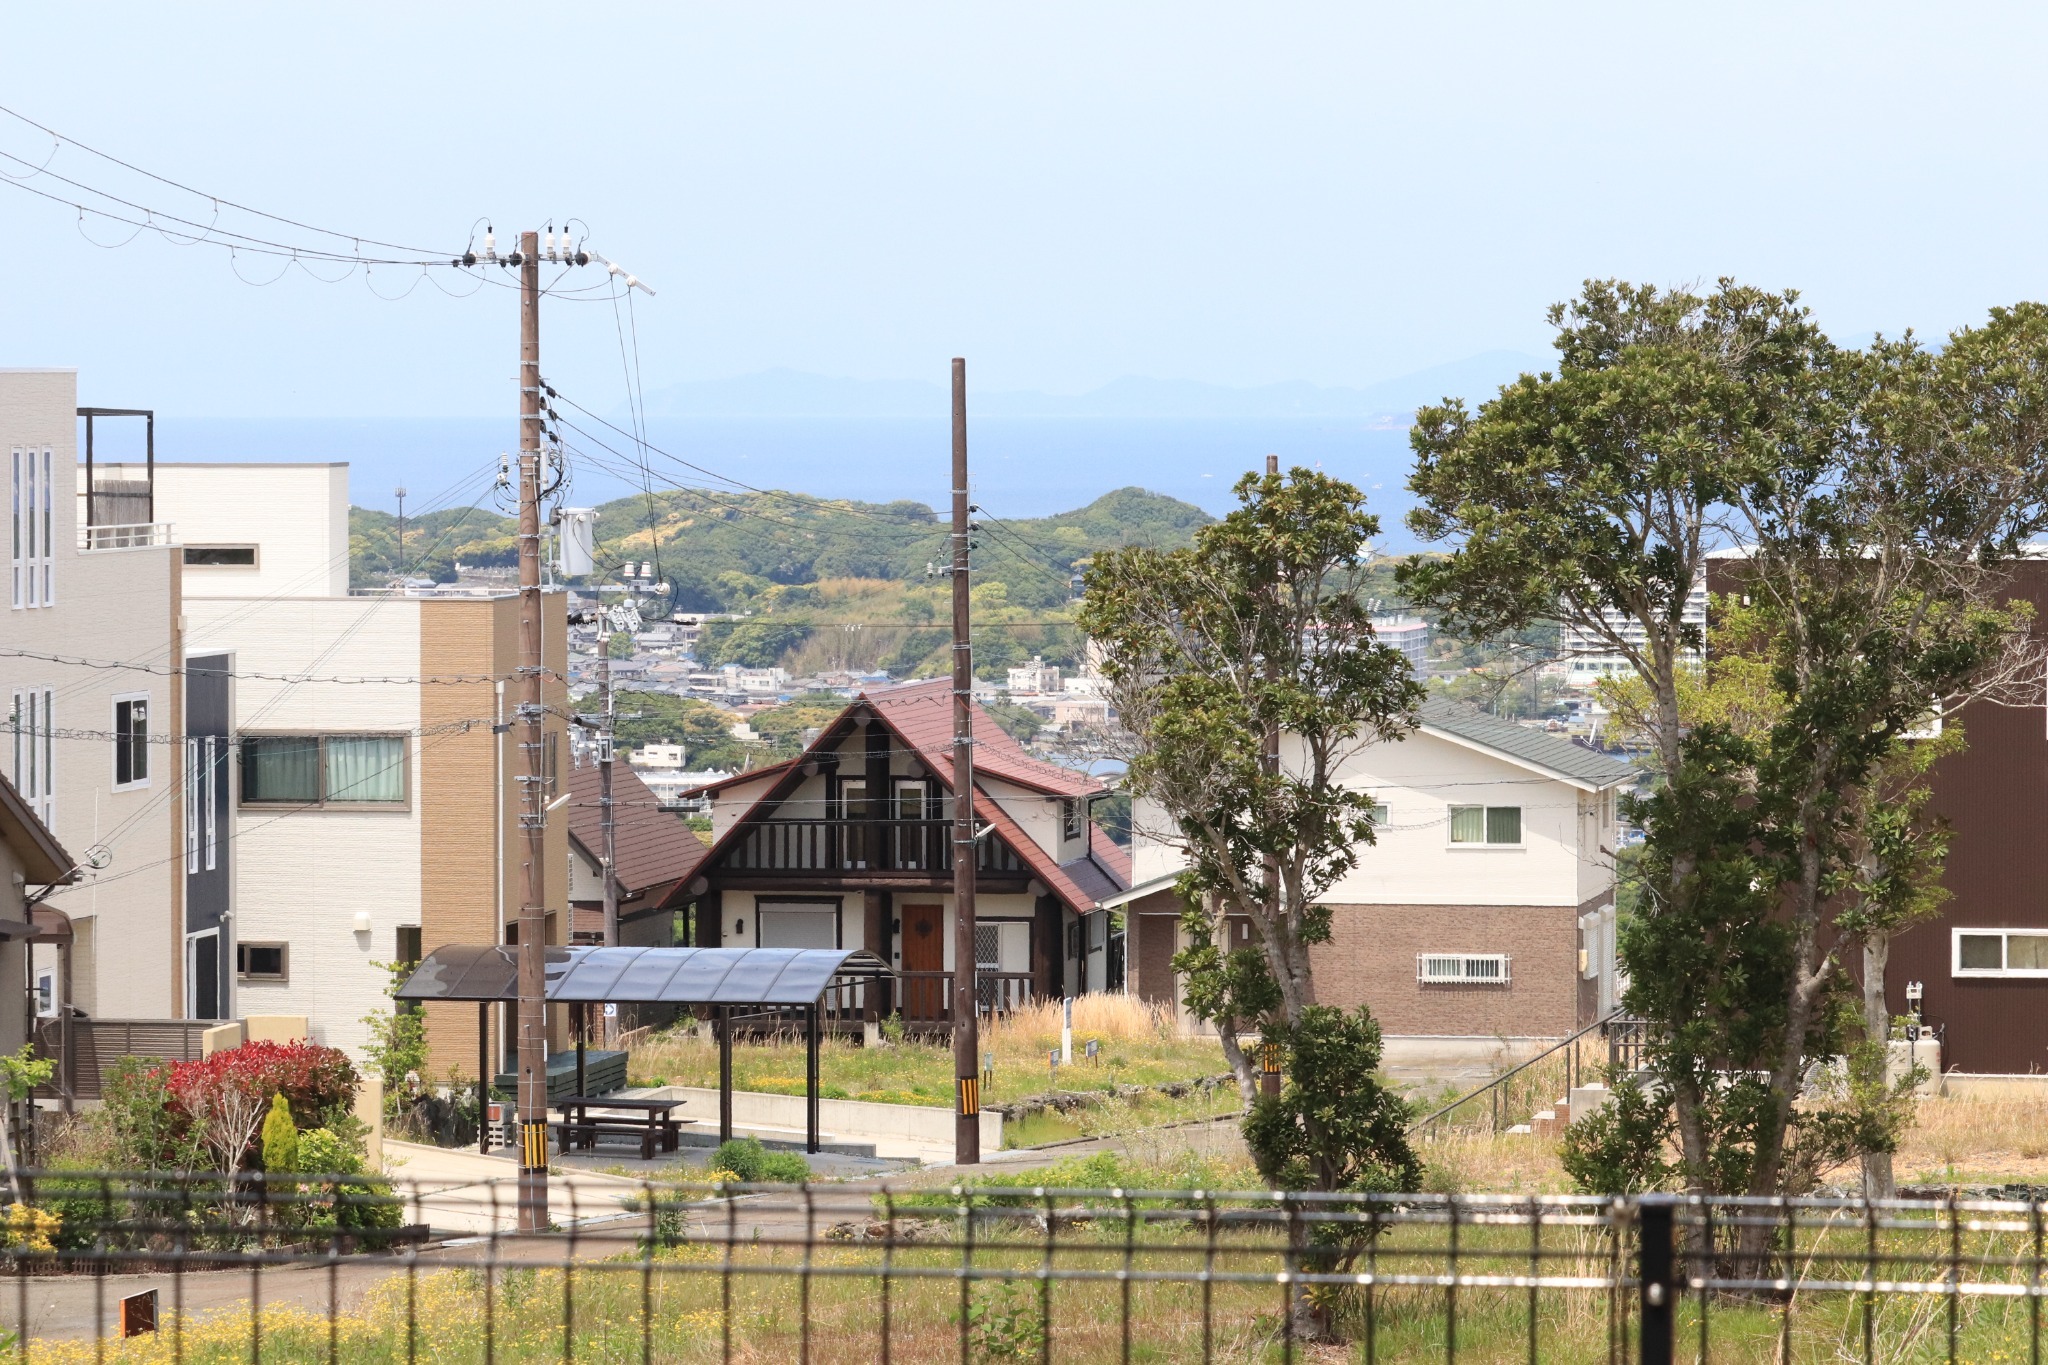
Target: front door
924, 950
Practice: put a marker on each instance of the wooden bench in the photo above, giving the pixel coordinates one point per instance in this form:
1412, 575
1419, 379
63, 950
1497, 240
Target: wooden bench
586, 1134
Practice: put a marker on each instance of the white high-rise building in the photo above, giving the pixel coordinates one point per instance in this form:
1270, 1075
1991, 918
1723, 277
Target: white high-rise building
1589, 655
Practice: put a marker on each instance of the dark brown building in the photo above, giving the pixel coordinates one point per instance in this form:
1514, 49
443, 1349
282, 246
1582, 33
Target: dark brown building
1983, 963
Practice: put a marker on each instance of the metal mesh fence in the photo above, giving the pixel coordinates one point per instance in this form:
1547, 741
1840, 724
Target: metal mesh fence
173, 1268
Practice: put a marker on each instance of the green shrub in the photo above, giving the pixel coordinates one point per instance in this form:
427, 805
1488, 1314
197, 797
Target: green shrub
354, 1200
1620, 1148
280, 1137
752, 1163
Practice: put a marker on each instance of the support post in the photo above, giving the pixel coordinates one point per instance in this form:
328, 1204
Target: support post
483, 1077
582, 1034
725, 1073
533, 1017
1656, 1265
966, 1033
91, 497
811, 1080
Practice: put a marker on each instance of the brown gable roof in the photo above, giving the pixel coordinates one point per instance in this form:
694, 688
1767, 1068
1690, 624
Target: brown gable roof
922, 713
655, 851
43, 860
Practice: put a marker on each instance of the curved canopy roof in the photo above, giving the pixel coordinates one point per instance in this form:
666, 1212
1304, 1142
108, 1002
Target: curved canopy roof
668, 976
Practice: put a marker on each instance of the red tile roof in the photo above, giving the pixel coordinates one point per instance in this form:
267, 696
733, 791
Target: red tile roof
655, 851
922, 713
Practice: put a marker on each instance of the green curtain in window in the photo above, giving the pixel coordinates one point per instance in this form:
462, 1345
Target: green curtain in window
1468, 824
280, 768
1503, 824
365, 768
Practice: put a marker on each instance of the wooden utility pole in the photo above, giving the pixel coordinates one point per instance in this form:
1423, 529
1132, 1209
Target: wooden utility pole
966, 1033
1269, 762
532, 732
606, 824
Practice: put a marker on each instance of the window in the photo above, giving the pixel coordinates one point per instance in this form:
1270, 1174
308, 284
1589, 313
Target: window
2001, 952
1377, 815
220, 556
1070, 818
1461, 969
46, 993
31, 526
1486, 824
131, 741
408, 944
33, 737
260, 961
323, 769
202, 791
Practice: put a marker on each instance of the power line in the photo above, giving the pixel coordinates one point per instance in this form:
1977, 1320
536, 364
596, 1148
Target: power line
170, 671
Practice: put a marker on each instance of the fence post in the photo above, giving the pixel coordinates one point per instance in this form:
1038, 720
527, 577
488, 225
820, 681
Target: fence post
1656, 1266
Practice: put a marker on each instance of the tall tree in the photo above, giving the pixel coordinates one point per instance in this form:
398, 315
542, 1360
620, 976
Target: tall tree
1875, 498
1588, 496
1246, 669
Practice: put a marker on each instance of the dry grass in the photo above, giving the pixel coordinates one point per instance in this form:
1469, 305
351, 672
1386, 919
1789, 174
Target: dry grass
1979, 1140
1137, 1044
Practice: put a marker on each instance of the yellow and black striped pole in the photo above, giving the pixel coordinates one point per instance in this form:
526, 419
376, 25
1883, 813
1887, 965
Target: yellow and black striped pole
1269, 1065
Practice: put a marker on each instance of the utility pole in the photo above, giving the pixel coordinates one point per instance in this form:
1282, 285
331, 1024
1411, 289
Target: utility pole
966, 1001
1269, 762
604, 803
399, 493
533, 1014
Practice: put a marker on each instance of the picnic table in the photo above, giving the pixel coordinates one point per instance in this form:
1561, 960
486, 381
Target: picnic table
647, 1121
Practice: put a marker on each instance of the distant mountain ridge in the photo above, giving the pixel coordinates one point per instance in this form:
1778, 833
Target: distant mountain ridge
784, 393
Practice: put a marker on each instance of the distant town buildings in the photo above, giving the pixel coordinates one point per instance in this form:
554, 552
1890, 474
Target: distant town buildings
1036, 678
1589, 656
1409, 634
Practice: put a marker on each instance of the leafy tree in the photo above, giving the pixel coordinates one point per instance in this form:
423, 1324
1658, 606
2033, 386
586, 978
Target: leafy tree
1877, 496
750, 644
704, 730
1333, 1126
1020, 721
1256, 632
619, 645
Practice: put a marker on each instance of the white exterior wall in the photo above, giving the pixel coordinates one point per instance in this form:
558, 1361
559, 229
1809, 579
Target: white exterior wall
1039, 815
295, 514
301, 876
1560, 861
1414, 861
586, 878
107, 605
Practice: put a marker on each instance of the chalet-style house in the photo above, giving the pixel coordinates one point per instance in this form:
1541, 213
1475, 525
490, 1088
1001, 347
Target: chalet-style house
1483, 912
849, 845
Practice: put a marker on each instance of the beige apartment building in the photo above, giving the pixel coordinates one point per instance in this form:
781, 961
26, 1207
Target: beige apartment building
373, 795
89, 657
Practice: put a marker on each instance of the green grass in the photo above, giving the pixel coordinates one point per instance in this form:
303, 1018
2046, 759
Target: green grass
766, 1318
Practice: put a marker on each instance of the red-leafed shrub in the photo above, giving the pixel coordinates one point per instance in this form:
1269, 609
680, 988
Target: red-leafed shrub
224, 1096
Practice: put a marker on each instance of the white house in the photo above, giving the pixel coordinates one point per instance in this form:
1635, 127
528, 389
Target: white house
1484, 908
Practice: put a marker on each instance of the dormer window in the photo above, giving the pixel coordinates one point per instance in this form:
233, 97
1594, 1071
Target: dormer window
1070, 818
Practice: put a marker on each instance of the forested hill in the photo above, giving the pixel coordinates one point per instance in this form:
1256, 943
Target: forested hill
729, 551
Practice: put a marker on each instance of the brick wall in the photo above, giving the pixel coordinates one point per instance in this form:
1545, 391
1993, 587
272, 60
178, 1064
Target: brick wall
1371, 960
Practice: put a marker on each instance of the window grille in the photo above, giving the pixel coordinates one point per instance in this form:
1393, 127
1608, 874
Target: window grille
1463, 969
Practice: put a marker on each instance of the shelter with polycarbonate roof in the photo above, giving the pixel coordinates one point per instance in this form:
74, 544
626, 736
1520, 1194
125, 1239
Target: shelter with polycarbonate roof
739, 985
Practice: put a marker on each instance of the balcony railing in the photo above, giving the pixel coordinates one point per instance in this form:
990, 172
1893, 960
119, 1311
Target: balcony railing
861, 846
927, 997
133, 536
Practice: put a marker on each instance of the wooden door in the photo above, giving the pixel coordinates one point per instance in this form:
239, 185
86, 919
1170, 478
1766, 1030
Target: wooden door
924, 950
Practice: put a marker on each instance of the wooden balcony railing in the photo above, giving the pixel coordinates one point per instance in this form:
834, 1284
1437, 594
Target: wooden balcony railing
927, 997
860, 845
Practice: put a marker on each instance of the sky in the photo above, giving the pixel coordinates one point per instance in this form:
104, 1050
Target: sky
1063, 193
